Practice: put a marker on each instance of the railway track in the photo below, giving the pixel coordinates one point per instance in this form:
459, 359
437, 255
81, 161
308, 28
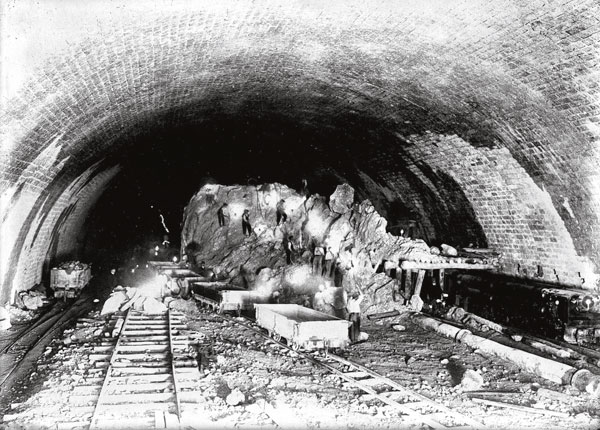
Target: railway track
414, 406
151, 377
20, 355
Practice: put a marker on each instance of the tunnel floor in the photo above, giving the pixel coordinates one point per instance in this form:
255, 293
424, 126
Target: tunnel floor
55, 392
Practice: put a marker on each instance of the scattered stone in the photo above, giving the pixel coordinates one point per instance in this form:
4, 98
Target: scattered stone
471, 381
236, 397
444, 361
449, 251
398, 327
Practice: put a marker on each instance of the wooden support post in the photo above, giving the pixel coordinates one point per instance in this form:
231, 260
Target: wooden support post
419, 283
416, 303
408, 284
441, 280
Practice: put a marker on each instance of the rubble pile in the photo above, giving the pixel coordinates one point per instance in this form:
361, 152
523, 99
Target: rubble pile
70, 266
139, 299
355, 233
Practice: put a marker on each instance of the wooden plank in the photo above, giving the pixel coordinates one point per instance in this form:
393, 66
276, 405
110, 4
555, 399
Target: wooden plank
415, 265
159, 420
138, 398
519, 407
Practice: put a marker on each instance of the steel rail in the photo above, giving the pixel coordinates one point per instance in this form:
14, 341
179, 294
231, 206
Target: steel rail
173, 368
406, 408
56, 322
103, 395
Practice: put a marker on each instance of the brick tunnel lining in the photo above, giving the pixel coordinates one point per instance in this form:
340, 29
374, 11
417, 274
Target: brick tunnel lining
421, 98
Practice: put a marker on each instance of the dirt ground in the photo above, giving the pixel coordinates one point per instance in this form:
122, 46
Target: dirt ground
280, 387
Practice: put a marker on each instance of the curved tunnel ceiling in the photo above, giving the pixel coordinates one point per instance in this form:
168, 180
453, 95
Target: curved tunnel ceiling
456, 110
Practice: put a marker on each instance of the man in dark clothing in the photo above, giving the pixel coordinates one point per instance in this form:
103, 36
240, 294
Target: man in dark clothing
329, 260
304, 189
317, 263
338, 275
289, 249
281, 215
223, 215
246, 227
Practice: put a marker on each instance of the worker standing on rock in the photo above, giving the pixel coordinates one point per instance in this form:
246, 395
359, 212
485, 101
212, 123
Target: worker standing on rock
329, 258
304, 189
223, 215
246, 227
289, 249
317, 263
281, 215
353, 308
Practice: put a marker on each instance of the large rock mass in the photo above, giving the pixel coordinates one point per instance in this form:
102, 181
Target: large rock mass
355, 232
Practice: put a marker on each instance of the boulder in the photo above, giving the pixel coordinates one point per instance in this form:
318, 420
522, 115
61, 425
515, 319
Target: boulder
471, 380
448, 251
357, 234
236, 397
342, 199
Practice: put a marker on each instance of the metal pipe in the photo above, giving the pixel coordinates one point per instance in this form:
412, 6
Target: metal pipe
560, 373
383, 315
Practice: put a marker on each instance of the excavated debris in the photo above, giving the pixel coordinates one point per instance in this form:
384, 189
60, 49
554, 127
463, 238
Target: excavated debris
355, 232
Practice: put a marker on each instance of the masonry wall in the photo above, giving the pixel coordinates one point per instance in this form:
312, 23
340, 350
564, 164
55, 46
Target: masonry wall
487, 112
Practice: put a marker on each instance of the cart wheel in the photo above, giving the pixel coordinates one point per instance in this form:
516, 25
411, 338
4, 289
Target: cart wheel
295, 346
276, 337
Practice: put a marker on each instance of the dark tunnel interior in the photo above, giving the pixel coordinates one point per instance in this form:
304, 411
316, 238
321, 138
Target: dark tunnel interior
165, 165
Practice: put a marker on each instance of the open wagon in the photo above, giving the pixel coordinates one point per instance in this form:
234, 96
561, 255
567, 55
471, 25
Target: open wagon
302, 327
223, 297
68, 279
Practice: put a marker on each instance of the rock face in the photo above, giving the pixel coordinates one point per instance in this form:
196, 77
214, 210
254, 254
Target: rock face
356, 234
342, 199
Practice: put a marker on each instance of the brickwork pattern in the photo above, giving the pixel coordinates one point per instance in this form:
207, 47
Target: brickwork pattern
520, 78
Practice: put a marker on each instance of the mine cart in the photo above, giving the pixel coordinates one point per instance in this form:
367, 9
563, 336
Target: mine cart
303, 327
68, 279
223, 297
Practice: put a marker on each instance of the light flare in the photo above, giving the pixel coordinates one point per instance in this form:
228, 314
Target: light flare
236, 210
162, 220
316, 226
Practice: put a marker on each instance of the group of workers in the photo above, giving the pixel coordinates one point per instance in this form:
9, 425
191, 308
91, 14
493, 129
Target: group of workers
323, 264
223, 217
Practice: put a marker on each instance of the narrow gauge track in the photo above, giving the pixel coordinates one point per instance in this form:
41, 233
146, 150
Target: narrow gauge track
13, 343
416, 406
19, 355
150, 376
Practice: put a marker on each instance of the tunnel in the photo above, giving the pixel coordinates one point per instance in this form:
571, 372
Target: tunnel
477, 121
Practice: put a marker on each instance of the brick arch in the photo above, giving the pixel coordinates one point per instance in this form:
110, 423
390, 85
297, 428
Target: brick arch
500, 98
